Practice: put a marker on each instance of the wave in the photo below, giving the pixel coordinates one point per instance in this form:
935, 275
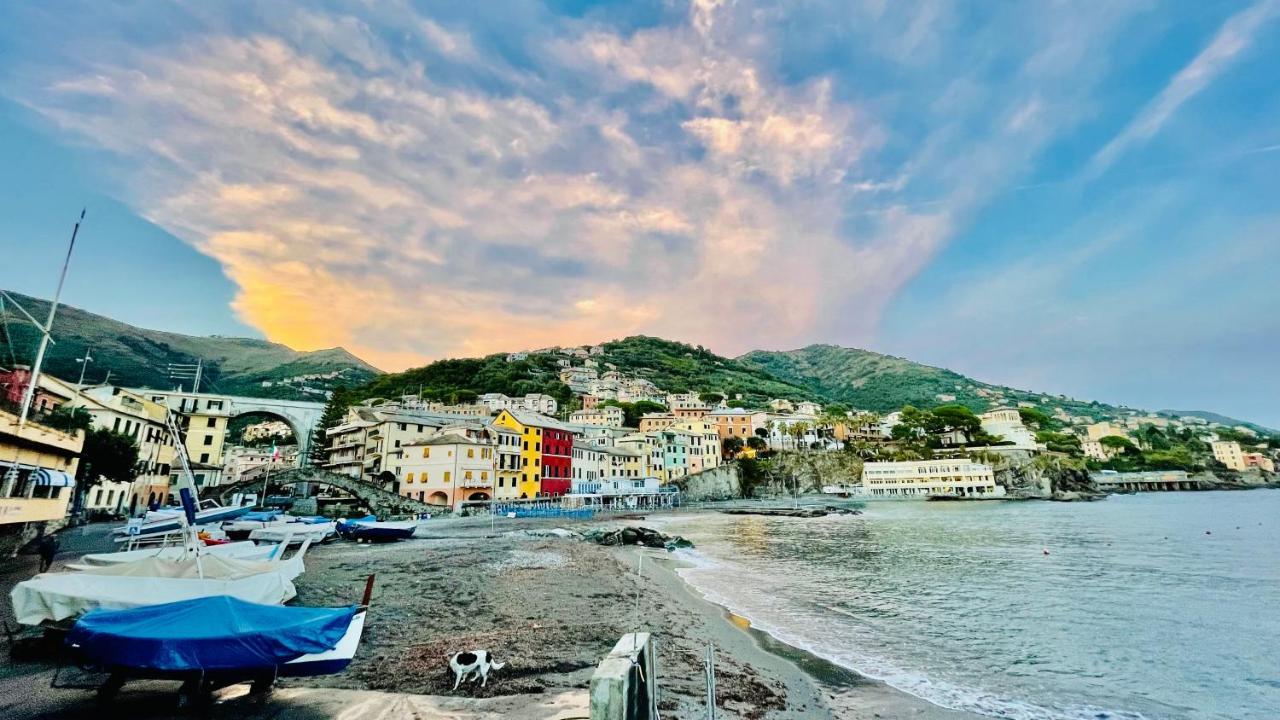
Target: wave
699, 572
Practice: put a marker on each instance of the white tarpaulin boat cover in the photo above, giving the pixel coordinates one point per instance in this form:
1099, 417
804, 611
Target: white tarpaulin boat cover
214, 567
57, 596
245, 549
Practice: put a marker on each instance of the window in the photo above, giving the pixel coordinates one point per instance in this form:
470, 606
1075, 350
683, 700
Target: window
213, 422
408, 478
484, 474
447, 476
467, 475
204, 458
426, 452
208, 439
116, 426
471, 452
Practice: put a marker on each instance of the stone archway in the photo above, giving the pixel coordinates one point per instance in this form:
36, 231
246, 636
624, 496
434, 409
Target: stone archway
378, 500
438, 498
479, 496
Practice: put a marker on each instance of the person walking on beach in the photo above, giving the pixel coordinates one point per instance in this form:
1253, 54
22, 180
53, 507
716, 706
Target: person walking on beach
48, 549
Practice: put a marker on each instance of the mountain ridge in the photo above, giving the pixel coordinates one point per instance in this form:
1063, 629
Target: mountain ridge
140, 356
863, 379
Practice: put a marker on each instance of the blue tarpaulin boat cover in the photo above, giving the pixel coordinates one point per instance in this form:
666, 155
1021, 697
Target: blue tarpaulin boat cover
212, 633
261, 515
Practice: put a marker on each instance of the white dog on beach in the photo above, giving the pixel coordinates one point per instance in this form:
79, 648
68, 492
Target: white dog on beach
475, 664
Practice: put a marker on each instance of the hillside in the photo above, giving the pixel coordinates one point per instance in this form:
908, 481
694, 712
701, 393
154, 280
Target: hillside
140, 358
677, 367
1221, 419
882, 383
672, 366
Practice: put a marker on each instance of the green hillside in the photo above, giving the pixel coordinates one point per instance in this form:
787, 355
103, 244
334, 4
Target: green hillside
882, 383
137, 357
677, 367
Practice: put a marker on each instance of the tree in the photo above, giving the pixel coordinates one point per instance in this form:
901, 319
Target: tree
1035, 418
948, 418
711, 398
732, 446
334, 411
757, 443
1116, 442
632, 412
68, 419
106, 455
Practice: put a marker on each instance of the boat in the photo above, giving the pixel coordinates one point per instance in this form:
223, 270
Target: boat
239, 528
243, 549
171, 519
54, 597
294, 531
212, 642
369, 529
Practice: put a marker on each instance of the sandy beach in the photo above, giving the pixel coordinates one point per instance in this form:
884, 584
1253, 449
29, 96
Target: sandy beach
549, 607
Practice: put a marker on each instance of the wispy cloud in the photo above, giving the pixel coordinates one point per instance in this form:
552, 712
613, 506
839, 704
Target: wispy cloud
414, 184
1234, 38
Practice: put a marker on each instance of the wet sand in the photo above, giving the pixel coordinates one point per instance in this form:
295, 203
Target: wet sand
549, 607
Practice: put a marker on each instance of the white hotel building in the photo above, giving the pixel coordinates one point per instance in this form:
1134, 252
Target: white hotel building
919, 478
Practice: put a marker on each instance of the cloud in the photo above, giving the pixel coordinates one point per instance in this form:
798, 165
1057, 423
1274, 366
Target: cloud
1235, 37
415, 187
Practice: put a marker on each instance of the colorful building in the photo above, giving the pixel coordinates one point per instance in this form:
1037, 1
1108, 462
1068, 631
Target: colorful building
448, 469
546, 453
41, 491
1228, 453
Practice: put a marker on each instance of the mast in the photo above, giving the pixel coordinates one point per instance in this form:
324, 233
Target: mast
12, 476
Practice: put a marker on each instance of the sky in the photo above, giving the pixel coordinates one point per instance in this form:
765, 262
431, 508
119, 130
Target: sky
1072, 197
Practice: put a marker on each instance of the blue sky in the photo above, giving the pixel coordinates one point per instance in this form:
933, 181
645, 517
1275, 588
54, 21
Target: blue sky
1070, 197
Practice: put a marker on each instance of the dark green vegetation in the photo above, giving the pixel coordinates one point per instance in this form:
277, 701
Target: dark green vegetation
632, 412
676, 368
1156, 449
461, 380
140, 358
106, 455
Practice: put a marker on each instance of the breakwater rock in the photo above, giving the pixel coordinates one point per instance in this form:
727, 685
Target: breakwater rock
644, 536
804, 512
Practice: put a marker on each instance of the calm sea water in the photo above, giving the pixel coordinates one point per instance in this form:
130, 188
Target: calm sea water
1136, 612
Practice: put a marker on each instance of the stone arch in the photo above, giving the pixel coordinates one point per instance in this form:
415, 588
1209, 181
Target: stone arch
438, 498
479, 495
381, 502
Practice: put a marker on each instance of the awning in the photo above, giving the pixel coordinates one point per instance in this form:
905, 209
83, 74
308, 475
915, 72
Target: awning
52, 478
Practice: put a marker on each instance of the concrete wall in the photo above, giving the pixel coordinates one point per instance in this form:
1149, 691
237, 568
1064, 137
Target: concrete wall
714, 484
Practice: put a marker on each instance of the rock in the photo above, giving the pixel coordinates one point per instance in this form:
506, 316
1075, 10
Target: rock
779, 512
646, 537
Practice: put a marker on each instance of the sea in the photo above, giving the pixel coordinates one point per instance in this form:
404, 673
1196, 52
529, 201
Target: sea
1154, 605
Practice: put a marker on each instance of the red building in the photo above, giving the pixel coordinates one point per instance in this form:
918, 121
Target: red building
557, 461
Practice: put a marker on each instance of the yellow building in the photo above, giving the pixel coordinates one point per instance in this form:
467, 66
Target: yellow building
1228, 453
530, 476
703, 444
42, 490
546, 452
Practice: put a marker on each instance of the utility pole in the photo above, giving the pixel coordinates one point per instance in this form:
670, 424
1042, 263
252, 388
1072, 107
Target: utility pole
12, 476
84, 365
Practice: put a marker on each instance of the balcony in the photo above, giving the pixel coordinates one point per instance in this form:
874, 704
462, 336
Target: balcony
46, 438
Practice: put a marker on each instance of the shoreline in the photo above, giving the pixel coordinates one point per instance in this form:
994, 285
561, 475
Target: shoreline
843, 692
